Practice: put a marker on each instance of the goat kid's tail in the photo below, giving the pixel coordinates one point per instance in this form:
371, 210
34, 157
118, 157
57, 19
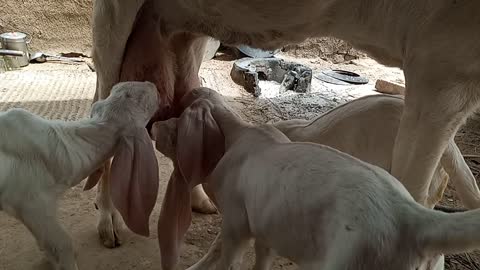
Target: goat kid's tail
448, 233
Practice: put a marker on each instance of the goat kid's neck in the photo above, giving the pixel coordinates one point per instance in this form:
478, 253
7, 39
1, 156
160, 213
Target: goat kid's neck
229, 123
81, 147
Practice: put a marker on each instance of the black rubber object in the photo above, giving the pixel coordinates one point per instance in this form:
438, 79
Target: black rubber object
346, 76
447, 209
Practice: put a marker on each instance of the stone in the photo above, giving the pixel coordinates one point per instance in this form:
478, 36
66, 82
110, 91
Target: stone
291, 76
389, 87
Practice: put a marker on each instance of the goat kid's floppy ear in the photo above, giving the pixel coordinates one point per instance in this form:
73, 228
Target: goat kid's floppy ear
200, 145
134, 184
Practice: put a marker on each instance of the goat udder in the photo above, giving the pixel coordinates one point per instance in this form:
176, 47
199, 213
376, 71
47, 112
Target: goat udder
147, 57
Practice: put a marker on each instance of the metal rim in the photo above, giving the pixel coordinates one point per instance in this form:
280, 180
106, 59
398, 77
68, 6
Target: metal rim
14, 36
346, 76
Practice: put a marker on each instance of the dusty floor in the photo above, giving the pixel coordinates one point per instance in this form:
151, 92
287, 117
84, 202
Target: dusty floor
65, 92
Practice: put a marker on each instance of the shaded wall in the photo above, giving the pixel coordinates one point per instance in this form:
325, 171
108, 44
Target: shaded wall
55, 25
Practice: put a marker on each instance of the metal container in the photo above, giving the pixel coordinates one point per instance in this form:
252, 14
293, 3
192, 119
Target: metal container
256, 53
16, 41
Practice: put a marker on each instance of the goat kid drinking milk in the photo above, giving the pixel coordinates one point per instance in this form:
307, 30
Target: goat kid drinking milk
40, 159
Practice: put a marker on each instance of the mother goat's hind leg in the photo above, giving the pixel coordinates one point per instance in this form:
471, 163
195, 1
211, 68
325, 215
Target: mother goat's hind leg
189, 50
431, 117
201, 202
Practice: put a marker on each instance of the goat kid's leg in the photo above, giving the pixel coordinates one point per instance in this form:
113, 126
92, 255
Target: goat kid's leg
209, 260
233, 249
263, 257
235, 236
40, 218
110, 222
430, 119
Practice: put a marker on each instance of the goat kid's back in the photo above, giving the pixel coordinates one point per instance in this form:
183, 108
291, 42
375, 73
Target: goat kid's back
314, 195
24, 137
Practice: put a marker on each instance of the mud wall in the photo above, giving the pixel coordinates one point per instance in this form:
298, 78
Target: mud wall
331, 49
55, 26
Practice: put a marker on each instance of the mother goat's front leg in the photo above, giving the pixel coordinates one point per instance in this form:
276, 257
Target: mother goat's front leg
112, 24
431, 117
110, 222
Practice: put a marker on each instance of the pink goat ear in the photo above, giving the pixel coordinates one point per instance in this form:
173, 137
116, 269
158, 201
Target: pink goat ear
134, 184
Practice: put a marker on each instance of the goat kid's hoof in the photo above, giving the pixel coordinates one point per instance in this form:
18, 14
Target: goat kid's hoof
109, 228
204, 206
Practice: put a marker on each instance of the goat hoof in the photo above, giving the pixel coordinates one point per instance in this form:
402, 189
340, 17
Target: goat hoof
204, 206
109, 228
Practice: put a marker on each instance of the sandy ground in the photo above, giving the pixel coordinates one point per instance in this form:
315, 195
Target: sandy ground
65, 92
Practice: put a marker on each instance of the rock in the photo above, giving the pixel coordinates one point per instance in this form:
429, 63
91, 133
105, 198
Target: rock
388, 87
211, 49
292, 76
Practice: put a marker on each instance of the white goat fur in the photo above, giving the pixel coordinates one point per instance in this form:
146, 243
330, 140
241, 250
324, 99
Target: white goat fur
366, 129
315, 205
434, 42
40, 159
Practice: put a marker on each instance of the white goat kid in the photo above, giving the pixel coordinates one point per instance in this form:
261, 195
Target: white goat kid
366, 129
329, 210
40, 159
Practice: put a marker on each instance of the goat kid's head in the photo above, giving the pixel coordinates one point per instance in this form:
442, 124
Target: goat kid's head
130, 104
195, 143
202, 93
